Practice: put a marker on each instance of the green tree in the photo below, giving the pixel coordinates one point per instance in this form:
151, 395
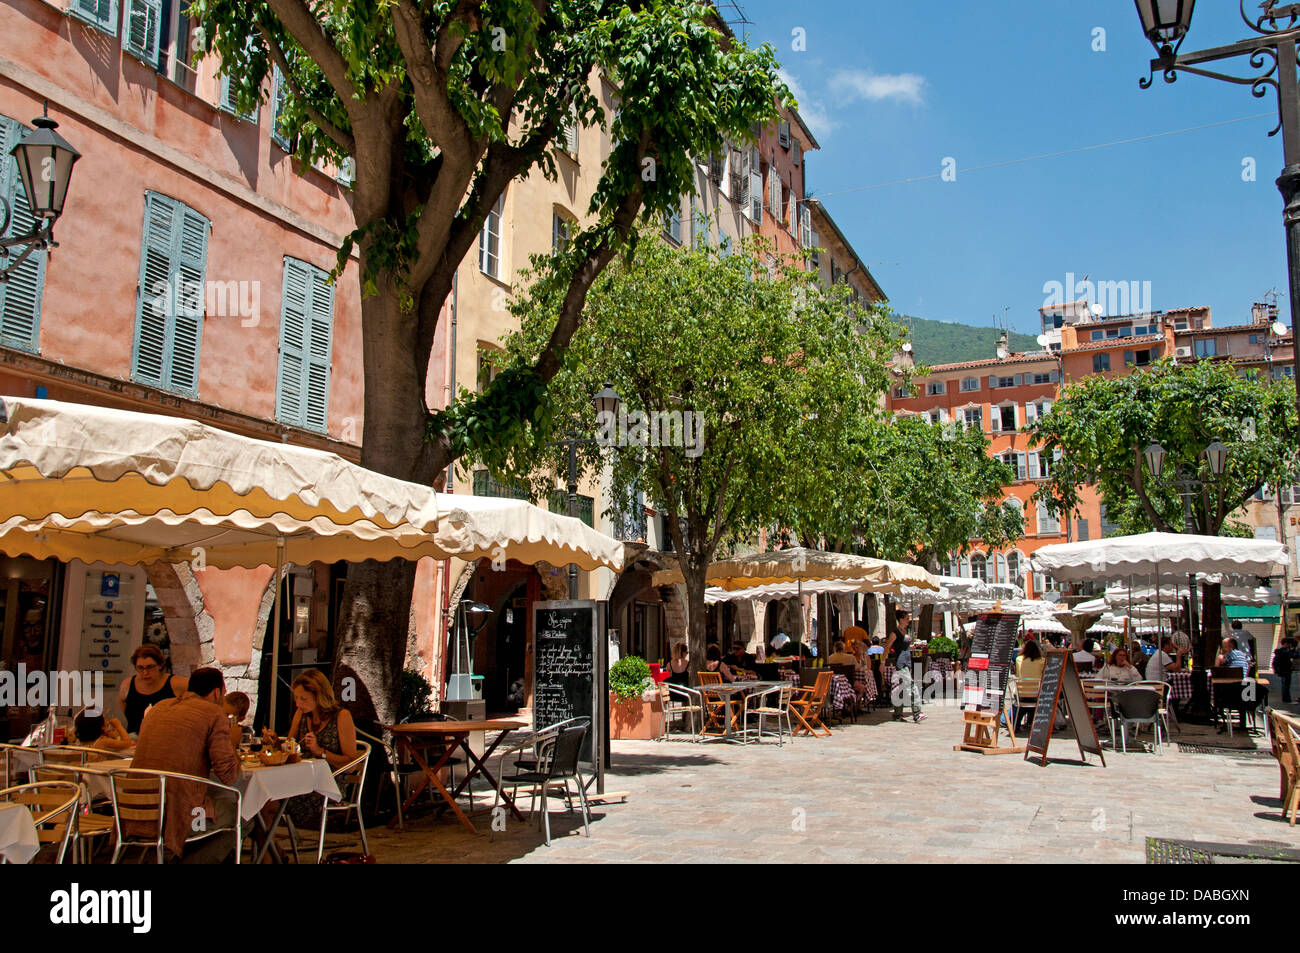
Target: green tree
1101, 425
925, 490
774, 370
439, 105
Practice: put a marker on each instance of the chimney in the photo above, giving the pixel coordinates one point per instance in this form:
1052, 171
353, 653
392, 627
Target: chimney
1003, 349
1259, 313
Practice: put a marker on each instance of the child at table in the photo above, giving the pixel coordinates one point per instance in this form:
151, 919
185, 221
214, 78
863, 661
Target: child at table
94, 732
236, 705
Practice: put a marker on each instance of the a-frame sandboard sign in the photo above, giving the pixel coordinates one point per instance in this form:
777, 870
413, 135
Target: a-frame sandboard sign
1061, 678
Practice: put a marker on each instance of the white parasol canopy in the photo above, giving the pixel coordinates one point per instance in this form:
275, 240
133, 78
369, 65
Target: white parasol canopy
1040, 624
805, 565
1160, 553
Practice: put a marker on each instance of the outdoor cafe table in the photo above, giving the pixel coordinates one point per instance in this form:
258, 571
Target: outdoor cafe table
727, 692
18, 841
453, 735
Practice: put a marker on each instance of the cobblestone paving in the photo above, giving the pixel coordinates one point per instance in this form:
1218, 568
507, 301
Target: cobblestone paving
880, 792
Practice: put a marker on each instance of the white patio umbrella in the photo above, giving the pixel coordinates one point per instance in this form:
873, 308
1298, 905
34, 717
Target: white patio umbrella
1157, 553
1041, 624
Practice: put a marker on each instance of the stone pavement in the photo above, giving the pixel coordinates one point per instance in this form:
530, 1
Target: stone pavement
880, 792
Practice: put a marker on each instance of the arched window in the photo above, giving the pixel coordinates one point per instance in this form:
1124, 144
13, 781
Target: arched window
1016, 568
979, 567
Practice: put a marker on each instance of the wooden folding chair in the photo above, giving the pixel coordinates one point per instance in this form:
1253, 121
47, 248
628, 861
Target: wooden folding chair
1287, 729
807, 706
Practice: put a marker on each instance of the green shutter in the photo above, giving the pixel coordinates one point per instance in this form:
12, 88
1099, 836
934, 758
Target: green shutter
102, 13
306, 318
191, 271
279, 91
140, 31
20, 293
170, 297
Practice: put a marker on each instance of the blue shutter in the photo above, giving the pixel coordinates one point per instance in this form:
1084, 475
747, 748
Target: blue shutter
293, 342
20, 295
170, 296
142, 28
1128, 358
191, 269
155, 293
102, 13
321, 318
993, 381
279, 91
306, 324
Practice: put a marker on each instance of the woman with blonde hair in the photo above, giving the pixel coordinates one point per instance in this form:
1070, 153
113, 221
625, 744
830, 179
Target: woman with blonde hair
320, 726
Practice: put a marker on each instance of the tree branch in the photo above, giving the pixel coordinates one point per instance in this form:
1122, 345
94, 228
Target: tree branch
306, 30
1140, 489
341, 138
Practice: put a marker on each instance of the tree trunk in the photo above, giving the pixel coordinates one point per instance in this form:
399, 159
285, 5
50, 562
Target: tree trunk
371, 641
696, 615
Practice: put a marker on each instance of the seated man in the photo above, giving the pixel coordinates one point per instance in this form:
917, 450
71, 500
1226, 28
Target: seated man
191, 735
1230, 656
738, 657
841, 656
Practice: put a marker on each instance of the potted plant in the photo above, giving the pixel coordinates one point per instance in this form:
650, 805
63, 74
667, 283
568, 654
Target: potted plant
634, 708
943, 647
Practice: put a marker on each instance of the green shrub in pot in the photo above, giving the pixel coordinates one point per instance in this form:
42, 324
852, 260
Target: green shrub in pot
943, 647
629, 677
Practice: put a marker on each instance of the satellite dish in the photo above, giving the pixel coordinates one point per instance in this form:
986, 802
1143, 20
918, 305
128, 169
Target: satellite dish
1097, 310
907, 347
1279, 328
1003, 352
1042, 340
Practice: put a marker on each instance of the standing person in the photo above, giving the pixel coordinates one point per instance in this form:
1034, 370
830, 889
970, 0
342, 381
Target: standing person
191, 735
148, 686
1245, 642
680, 665
899, 650
1283, 665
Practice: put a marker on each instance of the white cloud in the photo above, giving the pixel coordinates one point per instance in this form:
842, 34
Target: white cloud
812, 111
854, 84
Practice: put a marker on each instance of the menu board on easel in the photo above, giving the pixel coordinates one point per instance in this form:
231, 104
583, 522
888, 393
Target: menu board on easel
1060, 680
565, 670
989, 666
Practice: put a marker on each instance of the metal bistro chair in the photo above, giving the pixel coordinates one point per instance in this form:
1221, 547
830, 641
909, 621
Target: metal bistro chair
1137, 707
1024, 700
351, 779
678, 701
10, 758
88, 825
140, 794
1163, 689
560, 766
53, 806
784, 695
76, 755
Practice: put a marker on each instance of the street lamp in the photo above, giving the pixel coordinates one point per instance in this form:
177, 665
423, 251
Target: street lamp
1272, 55
1216, 455
605, 402
44, 160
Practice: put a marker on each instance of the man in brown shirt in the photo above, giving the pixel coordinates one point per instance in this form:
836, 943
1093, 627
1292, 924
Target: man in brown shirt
191, 735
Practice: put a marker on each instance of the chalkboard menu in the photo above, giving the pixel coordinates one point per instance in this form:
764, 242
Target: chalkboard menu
564, 670
1061, 679
989, 665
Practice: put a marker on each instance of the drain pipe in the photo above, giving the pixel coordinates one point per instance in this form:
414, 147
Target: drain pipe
448, 389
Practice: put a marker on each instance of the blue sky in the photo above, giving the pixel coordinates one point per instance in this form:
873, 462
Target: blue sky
891, 89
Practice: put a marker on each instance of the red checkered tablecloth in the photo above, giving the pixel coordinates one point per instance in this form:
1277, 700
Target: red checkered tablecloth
1180, 686
864, 683
790, 675
841, 692
941, 665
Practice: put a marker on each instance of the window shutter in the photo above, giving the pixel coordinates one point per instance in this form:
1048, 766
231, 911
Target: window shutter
1054, 377
1020, 379
783, 134
321, 318
756, 197
228, 103
155, 294
773, 192
191, 268
294, 307
1021, 468
1031, 413
740, 178
1033, 465
102, 13
1128, 358
796, 152
716, 163
570, 131
995, 416
20, 295
993, 381
805, 227
279, 92
141, 29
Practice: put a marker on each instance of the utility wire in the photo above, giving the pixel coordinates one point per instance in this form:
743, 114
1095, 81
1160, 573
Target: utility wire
1049, 155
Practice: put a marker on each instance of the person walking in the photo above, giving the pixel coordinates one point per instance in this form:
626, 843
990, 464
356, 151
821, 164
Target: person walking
899, 651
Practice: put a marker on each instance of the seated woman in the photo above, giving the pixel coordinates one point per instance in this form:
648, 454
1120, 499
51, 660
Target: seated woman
94, 732
841, 656
324, 730
1119, 669
680, 665
713, 663
1030, 663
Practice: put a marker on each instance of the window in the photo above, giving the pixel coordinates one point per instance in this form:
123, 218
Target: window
934, 388
1006, 382
673, 223
699, 226
20, 295
1207, 347
170, 296
805, 227
568, 134
560, 233
1098, 335
1032, 463
1015, 568
936, 416
229, 99
1045, 463
999, 567
1004, 417
796, 152
306, 327
100, 13
773, 192
1016, 462
973, 417
142, 29
1107, 527
978, 567
1282, 370
279, 92
487, 369
489, 242
1100, 363
1180, 324
1112, 332
970, 383
1126, 332
755, 188
902, 391
1142, 358
1254, 339
1036, 409
1048, 525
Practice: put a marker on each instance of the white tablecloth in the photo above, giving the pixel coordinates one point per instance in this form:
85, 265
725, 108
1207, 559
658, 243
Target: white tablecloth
18, 843
261, 784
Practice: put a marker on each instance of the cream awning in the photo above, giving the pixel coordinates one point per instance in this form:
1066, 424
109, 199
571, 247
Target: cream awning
795, 565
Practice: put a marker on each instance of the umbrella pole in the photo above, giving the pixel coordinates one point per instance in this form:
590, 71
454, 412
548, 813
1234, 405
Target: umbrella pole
275, 630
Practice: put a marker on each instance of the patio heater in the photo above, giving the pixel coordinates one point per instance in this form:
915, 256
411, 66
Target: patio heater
462, 684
